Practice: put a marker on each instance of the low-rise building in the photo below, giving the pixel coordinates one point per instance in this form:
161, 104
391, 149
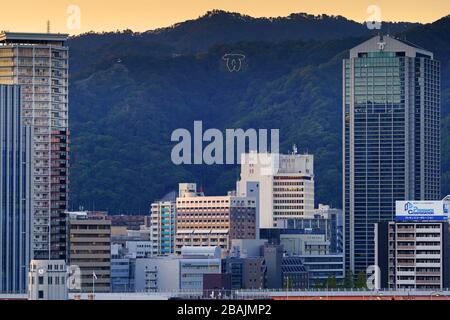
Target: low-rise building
47, 280
321, 267
295, 275
178, 272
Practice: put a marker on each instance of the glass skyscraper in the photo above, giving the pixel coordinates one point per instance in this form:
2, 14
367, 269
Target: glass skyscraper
15, 193
391, 137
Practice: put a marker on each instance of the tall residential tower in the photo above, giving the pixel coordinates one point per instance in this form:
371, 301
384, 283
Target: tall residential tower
39, 63
391, 149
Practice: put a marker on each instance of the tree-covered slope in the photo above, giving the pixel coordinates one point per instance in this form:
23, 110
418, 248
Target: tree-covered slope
128, 98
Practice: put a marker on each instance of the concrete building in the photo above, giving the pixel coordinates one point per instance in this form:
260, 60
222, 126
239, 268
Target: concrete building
391, 149
273, 256
39, 63
90, 249
320, 234
196, 262
245, 273
212, 220
122, 269
47, 280
297, 241
163, 225
161, 273
182, 272
284, 185
216, 285
16, 193
139, 249
413, 252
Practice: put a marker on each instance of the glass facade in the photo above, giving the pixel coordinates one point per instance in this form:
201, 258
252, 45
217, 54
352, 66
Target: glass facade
15, 193
391, 140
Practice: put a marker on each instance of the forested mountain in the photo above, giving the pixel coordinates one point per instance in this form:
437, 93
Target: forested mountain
130, 91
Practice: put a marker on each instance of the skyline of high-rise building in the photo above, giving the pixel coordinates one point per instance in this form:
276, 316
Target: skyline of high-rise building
391, 137
15, 193
39, 63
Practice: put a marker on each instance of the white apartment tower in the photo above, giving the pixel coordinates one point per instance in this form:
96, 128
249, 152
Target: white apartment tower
39, 64
283, 184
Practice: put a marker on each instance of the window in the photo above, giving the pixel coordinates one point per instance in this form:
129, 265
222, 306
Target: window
40, 294
41, 280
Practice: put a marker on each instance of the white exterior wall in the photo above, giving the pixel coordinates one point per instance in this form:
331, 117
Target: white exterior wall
166, 270
48, 278
256, 168
139, 249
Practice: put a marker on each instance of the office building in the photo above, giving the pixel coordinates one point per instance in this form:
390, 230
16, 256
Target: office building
295, 275
297, 241
90, 249
391, 149
273, 256
216, 285
245, 273
139, 249
39, 63
178, 272
212, 220
122, 269
163, 225
320, 234
16, 193
47, 280
284, 184
413, 252
321, 267
195, 263
160, 273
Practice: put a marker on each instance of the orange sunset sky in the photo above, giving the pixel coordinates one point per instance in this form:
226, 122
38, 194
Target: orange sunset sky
142, 15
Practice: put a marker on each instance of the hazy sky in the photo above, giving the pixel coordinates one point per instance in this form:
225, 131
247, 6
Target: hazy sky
141, 15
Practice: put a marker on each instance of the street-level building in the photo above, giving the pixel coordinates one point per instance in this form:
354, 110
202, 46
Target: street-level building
47, 280
90, 249
413, 255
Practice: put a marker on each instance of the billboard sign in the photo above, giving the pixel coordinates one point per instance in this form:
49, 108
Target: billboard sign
421, 210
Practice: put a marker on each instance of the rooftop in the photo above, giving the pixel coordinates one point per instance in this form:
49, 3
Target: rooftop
33, 38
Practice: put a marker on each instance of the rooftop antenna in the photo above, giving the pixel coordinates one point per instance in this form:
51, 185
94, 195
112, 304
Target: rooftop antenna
48, 26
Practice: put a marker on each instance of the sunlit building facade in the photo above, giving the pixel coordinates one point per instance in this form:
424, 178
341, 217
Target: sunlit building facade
39, 63
391, 149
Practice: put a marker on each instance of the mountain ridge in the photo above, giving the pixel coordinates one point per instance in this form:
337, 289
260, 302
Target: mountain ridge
128, 98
